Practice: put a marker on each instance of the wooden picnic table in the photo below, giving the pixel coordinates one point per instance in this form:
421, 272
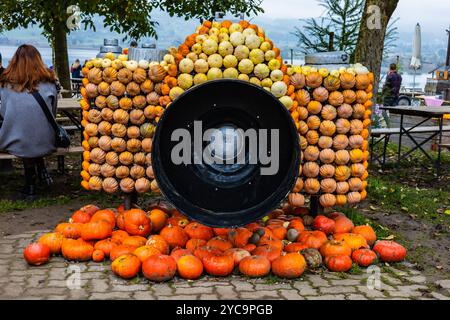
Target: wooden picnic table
427, 113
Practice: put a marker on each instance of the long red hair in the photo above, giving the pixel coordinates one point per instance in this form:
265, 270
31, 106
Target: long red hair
26, 70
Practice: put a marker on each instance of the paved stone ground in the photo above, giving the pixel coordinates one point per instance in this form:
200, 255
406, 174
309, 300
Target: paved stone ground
62, 280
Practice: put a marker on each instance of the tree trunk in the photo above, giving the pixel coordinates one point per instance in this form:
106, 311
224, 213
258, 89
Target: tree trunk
370, 46
59, 44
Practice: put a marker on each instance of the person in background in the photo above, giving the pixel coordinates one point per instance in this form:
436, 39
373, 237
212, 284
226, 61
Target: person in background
26, 132
75, 69
391, 88
1, 65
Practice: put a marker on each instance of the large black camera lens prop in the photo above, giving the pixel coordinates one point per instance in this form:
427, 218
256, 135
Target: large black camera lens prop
227, 177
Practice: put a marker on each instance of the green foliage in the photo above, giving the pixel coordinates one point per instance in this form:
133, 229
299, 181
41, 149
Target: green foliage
342, 18
123, 16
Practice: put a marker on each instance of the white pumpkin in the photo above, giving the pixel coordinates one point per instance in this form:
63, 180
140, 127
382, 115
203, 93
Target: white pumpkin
201, 66
131, 65
122, 57
257, 56
245, 66
237, 39
200, 78
230, 61
279, 89
225, 48
144, 63
106, 63
185, 81
214, 73
276, 75
215, 60
252, 41
186, 65
241, 52
261, 71
230, 73
209, 46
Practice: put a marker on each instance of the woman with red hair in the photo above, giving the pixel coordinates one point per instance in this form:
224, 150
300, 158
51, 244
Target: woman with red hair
25, 131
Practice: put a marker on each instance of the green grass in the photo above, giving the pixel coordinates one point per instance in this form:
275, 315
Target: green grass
102, 200
424, 203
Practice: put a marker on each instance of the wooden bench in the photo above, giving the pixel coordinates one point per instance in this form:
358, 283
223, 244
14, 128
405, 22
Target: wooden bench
60, 153
385, 133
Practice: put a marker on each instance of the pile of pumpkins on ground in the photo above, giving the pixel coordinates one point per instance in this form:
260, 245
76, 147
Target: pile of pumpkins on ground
123, 101
162, 243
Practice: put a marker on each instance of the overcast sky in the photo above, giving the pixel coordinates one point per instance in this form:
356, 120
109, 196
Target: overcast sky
432, 14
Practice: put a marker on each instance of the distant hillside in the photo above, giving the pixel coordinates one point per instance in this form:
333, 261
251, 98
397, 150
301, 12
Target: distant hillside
171, 32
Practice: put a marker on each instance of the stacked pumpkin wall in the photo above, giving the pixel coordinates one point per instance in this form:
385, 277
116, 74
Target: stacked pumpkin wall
123, 100
121, 104
333, 120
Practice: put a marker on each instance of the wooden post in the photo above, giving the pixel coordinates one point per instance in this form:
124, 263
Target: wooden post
130, 199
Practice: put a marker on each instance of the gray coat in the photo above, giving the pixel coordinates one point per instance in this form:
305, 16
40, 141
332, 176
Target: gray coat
25, 131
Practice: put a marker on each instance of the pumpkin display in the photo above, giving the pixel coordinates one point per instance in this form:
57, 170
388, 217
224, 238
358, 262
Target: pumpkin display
364, 257
126, 266
327, 106
96, 230
37, 254
324, 224
76, 250
289, 266
158, 242
255, 266
175, 236
354, 241
137, 223
159, 268
389, 251
190, 267
335, 248
238, 254
313, 258
218, 265
312, 239
338, 263
367, 232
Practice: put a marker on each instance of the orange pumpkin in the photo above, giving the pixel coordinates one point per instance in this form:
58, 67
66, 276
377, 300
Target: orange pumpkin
219, 243
175, 236
189, 267
340, 263
158, 242
334, 248
364, 257
218, 266
312, 239
76, 250
367, 232
196, 230
137, 223
53, 241
255, 266
96, 230
354, 241
290, 266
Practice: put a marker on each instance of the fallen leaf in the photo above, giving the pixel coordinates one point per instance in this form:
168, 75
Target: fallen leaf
405, 209
391, 237
375, 209
439, 267
447, 212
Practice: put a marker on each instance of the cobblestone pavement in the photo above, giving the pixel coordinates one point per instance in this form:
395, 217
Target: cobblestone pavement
62, 280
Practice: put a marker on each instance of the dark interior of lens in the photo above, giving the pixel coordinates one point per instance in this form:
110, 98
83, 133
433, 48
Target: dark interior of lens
225, 194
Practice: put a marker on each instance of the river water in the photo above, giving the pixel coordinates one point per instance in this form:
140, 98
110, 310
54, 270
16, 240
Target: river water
83, 54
